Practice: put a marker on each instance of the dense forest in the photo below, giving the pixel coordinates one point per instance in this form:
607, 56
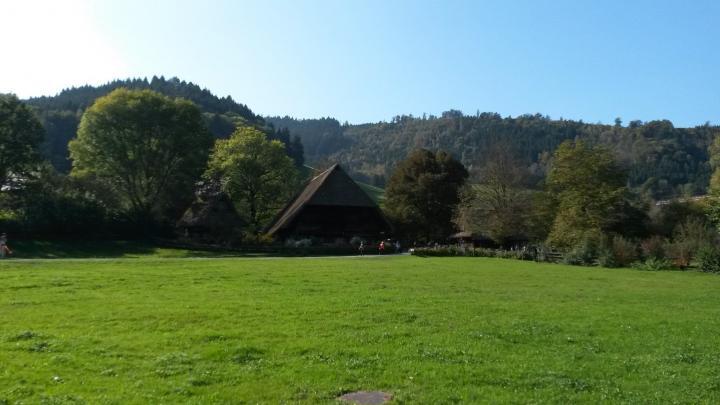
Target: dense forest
662, 161
147, 153
60, 114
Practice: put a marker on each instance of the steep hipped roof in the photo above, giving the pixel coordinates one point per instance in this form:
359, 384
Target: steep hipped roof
333, 187
211, 212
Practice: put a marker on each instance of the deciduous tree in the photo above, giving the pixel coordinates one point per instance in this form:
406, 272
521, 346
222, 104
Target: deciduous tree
256, 173
423, 193
151, 148
498, 203
589, 186
20, 136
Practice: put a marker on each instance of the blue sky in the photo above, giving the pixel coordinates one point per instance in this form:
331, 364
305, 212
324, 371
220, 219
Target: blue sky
366, 61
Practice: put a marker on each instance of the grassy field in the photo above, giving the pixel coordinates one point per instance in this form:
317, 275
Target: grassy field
307, 330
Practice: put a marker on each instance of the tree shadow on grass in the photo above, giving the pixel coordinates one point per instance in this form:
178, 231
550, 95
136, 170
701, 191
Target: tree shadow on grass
80, 249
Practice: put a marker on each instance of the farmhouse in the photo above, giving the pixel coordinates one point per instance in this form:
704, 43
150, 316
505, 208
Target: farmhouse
211, 217
331, 206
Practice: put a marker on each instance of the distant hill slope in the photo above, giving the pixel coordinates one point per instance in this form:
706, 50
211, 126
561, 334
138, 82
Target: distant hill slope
376, 193
662, 161
60, 114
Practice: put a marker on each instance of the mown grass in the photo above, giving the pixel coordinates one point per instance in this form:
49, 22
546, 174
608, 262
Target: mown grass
438, 330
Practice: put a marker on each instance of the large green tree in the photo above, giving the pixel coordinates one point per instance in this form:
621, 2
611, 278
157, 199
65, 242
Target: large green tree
149, 147
423, 193
498, 203
256, 173
20, 136
713, 204
589, 186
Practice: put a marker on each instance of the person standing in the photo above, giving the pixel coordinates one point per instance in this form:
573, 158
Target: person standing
397, 246
4, 249
361, 248
381, 247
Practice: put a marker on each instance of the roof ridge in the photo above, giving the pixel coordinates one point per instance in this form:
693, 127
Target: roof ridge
292, 208
333, 167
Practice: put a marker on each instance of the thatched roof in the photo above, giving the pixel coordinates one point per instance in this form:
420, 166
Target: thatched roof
333, 187
212, 212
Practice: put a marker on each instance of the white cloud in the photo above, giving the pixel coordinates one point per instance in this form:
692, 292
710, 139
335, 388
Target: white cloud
46, 46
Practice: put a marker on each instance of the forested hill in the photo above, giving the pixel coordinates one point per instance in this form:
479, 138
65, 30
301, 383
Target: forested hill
60, 114
79, 98
663, 161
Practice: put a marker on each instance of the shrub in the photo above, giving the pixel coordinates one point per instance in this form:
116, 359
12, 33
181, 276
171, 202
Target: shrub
483, 252
709, 259
653, 264
265, 239
526, 253
505, 254
691, 236
518, 254
606, 258
438, 251
624, 252
696, 233
253, 239
298, 243
582, 254
340, 243
680, 253
653, 247
543, 253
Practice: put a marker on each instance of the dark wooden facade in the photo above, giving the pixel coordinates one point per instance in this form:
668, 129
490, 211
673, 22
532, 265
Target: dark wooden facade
331, 206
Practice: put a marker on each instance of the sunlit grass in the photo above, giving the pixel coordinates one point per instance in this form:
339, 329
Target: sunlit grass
307, 330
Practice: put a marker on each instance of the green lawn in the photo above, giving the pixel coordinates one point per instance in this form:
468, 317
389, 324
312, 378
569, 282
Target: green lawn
435, 330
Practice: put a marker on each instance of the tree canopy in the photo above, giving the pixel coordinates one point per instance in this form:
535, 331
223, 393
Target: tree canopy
20, 136
150, 147
714, 187
589, 187
80, 98
256, 172
663, 161
422, 194
498, 203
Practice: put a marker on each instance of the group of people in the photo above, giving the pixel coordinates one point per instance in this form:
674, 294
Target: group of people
4, 248
382, 246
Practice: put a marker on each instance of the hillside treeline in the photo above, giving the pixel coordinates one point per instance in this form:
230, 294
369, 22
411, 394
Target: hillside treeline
60, 114
132, 161
662, 161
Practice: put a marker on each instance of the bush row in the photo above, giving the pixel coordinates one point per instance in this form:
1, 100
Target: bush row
653, 255
518, 254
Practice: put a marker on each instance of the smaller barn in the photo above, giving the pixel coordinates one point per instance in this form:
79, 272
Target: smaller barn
212, 217
330, 207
